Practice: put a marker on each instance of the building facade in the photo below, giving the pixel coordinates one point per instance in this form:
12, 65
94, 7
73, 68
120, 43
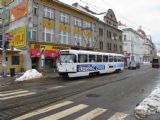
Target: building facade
133, 44
149, 49
41, 28
109, 37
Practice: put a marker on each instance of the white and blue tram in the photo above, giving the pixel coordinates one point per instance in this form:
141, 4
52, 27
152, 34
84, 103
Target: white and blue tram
78, 63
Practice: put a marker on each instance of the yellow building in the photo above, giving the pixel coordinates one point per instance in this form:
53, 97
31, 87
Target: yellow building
51, 26
14, 59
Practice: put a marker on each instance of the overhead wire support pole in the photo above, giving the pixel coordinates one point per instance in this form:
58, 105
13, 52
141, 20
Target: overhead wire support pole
3, 40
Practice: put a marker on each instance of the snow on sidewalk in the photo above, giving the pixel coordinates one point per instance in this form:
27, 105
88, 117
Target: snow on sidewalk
30, 74
149, 105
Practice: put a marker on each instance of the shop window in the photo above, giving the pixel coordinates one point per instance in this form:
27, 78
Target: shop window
15, 60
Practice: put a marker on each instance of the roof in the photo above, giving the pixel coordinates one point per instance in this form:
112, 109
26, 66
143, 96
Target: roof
91, 52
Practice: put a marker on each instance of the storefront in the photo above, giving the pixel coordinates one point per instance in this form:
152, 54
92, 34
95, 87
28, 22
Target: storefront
44, 56
14, 59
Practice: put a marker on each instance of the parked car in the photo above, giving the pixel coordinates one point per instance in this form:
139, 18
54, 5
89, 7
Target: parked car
155, 63
132, 65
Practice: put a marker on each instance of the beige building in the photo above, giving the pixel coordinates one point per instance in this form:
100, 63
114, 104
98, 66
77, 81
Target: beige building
109, 37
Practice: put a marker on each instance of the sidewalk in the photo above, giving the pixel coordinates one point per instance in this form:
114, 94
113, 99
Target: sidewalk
10, 80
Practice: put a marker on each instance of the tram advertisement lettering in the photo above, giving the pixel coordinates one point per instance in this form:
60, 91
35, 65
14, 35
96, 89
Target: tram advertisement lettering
90, 67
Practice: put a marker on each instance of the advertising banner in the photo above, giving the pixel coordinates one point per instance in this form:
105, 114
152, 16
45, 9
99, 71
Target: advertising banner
90, 67
19, 11
19, 37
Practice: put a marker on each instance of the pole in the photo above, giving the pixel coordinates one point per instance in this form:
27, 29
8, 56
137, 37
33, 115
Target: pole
3, 40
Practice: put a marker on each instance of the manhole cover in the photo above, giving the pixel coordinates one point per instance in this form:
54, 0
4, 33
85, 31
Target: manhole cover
92, 95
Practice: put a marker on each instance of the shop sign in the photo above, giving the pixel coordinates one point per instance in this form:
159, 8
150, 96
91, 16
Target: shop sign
48, 47
19, 38
19, 11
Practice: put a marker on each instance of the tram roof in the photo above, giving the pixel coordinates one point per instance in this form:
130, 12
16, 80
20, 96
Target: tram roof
90, 52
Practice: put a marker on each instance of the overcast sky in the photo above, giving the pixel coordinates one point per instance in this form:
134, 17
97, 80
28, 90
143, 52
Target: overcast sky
133, 13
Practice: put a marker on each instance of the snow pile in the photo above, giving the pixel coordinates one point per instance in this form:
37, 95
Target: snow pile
149, 105
28, 75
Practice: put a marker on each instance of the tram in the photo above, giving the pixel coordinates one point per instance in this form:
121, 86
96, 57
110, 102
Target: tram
79, 63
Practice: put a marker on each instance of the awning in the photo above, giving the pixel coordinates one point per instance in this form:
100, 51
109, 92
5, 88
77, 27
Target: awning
47, 53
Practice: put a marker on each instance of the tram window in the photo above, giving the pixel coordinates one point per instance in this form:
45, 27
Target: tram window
68, 58
110, 58
105, 58
115, 59
92, 58
99, 58
82, 58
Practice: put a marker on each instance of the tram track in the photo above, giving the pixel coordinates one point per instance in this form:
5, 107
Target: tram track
12, 108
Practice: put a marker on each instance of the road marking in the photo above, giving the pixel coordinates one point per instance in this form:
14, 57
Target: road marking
4, 92
13, 93
56, 87
65, 113
92, 114
19, 95
43, 110
118, 116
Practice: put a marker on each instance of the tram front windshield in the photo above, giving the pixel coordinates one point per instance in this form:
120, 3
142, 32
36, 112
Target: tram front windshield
68, 58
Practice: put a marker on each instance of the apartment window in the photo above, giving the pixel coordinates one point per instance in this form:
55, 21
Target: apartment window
120, 48
65, 18
48, 12
48, 35
125, 37
109, 34
108, 46
101, 45
100, 31
77, 22
35, 9
64, 37
88, 42
15, 60
120, 38
77, 40
34, 34
86, 24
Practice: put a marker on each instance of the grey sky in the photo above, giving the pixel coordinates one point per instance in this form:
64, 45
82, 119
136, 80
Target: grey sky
145, 13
